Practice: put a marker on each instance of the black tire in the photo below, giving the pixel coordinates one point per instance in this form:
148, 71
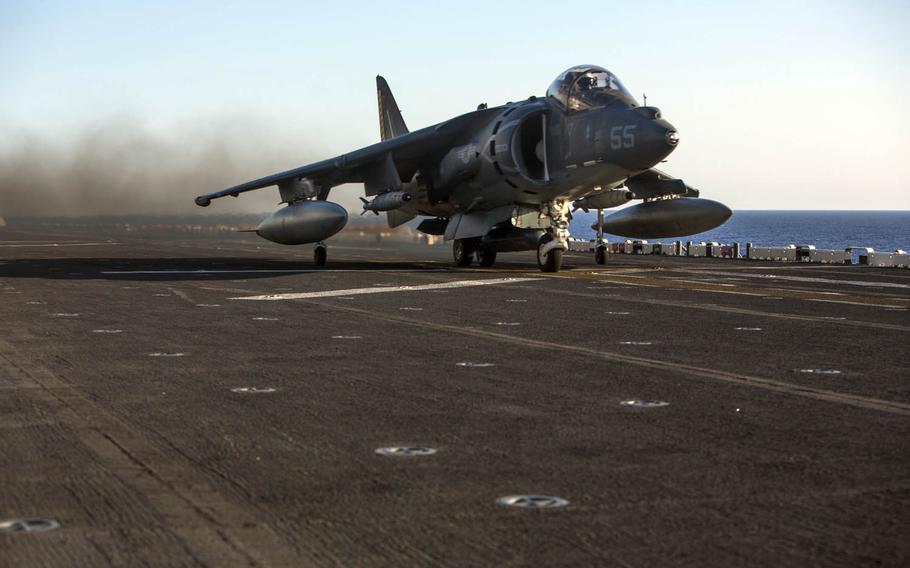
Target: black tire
485, 256
600, 255
463, 251
552, 261
320, 256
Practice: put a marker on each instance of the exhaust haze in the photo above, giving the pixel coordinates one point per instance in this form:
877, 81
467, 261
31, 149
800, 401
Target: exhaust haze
123, 166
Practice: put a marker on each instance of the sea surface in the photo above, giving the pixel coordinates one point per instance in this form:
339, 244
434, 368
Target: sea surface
881, 230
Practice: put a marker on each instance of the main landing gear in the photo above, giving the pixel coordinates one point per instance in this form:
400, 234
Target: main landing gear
552, 224
485, 256
549, 253
464, 251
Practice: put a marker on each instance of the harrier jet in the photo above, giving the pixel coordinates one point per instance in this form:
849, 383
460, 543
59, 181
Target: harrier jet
503, 178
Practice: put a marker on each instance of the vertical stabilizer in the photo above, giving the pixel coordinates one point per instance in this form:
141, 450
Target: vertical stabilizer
390, 122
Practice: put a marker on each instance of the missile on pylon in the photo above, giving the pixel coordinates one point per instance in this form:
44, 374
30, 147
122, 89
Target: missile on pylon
386, 201
603, 199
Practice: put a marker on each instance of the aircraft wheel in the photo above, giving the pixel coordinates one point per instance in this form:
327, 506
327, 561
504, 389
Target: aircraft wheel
320, 255
485, 256
600, 254
463, 251
550, 261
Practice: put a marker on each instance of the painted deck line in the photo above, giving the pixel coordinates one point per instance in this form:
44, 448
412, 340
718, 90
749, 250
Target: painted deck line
854, 303
731, 292
55, 245
687, 371
639, 285
259, 271
808, 279
386, 289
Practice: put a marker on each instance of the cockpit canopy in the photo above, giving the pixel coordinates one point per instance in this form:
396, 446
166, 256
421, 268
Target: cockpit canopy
587, 86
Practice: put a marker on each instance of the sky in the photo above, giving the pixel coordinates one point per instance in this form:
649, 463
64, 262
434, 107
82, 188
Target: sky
130, 107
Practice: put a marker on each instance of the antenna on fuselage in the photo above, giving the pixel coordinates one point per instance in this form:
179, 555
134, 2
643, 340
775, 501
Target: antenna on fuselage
645, 97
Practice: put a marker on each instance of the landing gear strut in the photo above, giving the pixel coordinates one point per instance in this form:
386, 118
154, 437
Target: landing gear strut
600, 249
320, 254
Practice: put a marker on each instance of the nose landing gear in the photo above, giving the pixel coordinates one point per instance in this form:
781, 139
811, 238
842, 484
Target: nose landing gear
549, 253
554, 242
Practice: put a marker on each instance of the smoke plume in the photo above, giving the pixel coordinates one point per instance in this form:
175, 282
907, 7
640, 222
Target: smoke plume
122, 166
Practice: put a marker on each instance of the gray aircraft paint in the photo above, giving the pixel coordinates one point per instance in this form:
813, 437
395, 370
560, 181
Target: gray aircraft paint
511, 170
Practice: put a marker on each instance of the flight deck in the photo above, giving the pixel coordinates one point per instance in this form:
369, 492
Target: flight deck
183, 400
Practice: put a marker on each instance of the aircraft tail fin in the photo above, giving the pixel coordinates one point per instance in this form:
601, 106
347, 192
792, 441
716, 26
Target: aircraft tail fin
390, 122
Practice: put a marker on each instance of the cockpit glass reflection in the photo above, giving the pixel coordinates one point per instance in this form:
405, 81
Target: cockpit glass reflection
587, 87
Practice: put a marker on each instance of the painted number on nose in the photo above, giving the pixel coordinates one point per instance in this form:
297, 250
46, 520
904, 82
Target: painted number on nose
622, 137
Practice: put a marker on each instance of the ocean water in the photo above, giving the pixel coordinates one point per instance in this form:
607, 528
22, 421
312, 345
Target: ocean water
881, 230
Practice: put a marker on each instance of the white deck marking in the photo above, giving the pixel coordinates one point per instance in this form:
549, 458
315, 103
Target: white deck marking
730, 292
687, 371
380, 290
260, 271
865, 304
56, 245
776, 289
807, 279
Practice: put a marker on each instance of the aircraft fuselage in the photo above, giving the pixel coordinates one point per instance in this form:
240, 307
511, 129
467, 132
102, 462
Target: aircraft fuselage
534, 152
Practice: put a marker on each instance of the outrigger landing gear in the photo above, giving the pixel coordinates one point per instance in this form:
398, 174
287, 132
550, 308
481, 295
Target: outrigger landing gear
600, 249
320, 254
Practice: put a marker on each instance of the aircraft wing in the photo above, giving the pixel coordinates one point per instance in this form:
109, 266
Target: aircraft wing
398, 157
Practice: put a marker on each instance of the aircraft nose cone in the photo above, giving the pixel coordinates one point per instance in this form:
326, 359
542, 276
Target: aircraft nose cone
639, 141
665, 134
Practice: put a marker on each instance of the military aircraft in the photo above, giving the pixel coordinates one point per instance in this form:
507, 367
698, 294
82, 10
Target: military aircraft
503, 178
